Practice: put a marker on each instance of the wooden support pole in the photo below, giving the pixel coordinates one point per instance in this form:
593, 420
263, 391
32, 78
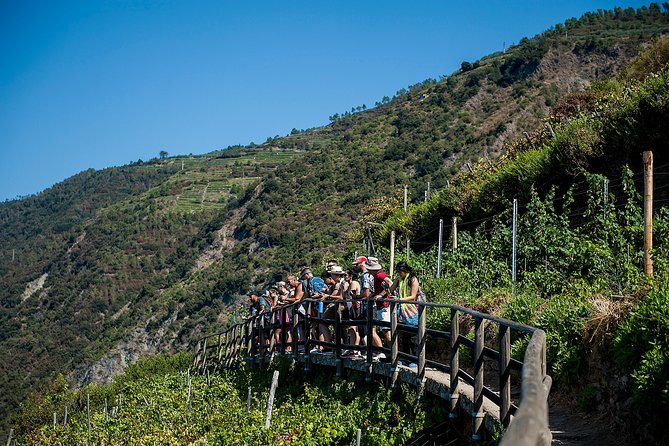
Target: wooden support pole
358, 434
88, 413
338, 336
248, 401
54, 421
65, 417
454, 233
368, 330
648, 212
261, 340
504, 375
270, 401
392, 253
249, 341
295, 330
455, 362
406, 197
394, 345
477, 407
307, 337
9, 439
421, 346
441, 236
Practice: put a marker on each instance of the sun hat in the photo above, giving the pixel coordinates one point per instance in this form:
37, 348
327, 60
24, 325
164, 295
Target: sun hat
336, 269
359, 260
373, 264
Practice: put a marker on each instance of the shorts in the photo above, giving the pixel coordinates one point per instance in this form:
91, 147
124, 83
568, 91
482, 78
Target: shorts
383, 315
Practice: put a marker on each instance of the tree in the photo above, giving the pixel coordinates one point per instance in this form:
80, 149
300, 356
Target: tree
163, 154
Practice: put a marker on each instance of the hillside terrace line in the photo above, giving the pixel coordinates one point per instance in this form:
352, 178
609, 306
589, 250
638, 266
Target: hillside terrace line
481, 390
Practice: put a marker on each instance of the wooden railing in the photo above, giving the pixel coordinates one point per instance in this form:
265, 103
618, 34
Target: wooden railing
487, 385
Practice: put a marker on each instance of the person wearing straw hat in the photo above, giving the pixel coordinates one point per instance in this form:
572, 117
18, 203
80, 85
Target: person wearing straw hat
382, 284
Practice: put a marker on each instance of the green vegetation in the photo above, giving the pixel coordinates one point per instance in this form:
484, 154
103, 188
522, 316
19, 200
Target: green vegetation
318, 409
151, 255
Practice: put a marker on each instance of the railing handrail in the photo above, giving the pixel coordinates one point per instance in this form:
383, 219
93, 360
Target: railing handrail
509, 323
530, 417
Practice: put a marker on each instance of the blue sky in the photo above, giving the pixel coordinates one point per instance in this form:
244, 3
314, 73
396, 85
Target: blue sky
97, 83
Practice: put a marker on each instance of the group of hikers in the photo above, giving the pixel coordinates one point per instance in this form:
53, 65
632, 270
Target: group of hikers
364, 279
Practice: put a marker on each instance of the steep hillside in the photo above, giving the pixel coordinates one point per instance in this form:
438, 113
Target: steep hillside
115, 264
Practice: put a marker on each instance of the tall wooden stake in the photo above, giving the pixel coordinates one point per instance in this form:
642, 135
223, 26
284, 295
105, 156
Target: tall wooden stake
88, 413
392, 252
648, 212
455, 233
406, 192
513, 247
441, 236
270, 401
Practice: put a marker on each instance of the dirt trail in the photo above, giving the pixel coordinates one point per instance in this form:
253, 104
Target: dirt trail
571, 427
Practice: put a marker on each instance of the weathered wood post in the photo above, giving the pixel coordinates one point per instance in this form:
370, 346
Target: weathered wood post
54, 421
648, 212
338, 335
422, 338
248, 401
477, 409
394, 348
65, 417
283, 336
358, 434
9, 439
295, 330
270, 401
368, 329
204, 356
307, 337
392, 253
261, 339
88, 414
504, 375
248, 328
441, 236
513, 246
455, 362
454, 233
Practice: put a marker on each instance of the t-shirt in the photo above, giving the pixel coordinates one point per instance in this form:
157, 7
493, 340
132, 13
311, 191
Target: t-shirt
367, 282
378, 285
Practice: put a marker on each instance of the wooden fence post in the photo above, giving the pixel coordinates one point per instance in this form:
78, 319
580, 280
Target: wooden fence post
88, 413
295, 330
454, 233
421, 346
270, 401
648, 212
370, 338
394, 350
477, 409
307, 337
392, 252
455, 362
338, 335
248, 401
504, 375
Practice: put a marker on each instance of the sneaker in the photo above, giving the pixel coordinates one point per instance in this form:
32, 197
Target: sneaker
345, 353
315, 350
378, 356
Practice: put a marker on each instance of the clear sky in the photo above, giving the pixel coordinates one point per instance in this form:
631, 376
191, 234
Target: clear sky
97, 83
